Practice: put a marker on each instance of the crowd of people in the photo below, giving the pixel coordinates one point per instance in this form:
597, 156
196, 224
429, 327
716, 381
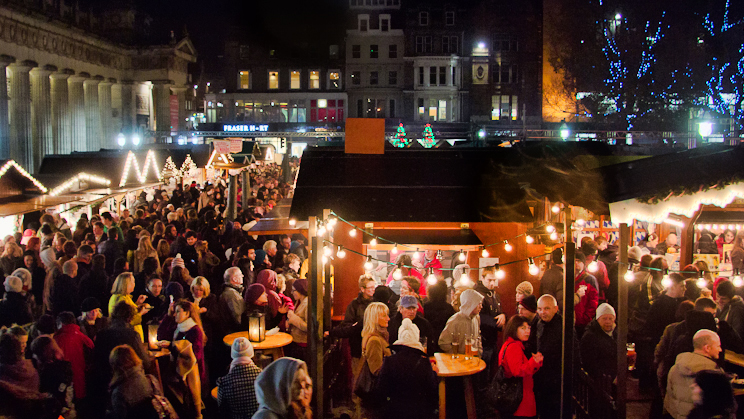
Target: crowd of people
87, 310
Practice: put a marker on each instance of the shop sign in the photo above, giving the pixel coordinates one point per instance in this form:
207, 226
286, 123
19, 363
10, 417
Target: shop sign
245, 128
236, 145
221, 146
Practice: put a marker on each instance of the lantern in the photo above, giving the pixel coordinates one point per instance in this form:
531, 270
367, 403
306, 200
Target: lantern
256, 327
152, 336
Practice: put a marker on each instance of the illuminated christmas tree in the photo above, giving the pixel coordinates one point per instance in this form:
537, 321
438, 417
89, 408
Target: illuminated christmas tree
428, 141
170, 169
400, 139
188, 165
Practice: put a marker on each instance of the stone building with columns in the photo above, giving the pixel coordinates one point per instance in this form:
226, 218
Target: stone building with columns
65, 89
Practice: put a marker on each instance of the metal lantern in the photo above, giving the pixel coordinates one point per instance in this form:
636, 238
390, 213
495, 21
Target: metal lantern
256, 327
152, 336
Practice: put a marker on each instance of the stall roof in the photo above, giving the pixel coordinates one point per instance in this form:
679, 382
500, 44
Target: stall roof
274, 226
428, 238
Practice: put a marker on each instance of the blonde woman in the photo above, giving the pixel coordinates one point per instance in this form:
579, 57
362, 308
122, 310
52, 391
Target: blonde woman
163, 249
375, 338
144, 251
122, 291
11, 259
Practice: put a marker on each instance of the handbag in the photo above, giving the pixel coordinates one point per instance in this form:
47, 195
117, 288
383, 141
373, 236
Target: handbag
364, 388
505, 393
160, 404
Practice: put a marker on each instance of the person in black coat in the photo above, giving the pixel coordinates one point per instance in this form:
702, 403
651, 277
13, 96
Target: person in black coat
408, 310
55, 374
64, 294
437, 311
492, 319
14, 307
38, 275
549, 342
351, 327
407, 384
112, 249
599, 344
95, 283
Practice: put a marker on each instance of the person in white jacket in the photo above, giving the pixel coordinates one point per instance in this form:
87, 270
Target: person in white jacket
464, 324
678, 401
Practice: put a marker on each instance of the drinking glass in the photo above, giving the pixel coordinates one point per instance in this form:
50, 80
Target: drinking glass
455, 345
468, 342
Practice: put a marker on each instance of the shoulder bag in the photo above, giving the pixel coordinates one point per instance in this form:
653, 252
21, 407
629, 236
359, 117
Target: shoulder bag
505, 393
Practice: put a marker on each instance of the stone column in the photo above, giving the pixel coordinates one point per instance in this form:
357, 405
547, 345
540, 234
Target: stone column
161, 105
4, 99
92, 114
108, 138
61, 113
77, 111
180, 92
21, 144
41, 113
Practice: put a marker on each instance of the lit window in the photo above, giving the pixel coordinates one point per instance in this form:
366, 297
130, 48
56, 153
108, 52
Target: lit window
322, 103
273, 79
449, 18
424, 18
294, 80
315, 79
245, 79
334, 78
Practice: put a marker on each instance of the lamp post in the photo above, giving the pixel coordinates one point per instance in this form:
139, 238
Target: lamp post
705, 128
565, 131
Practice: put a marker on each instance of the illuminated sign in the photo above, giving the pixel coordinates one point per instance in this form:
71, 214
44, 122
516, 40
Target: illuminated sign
245, 128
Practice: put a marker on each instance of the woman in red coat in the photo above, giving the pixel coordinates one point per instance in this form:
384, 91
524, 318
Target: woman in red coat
76, 347
516, 364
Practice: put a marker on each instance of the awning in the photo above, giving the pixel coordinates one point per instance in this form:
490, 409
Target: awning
432, 239
717, 216
37, 203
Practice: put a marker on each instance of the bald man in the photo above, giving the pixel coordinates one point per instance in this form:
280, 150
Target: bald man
678, 400
548, 341
64, 290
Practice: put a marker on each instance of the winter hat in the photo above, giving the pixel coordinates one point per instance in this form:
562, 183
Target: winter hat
294, 246
90, 304
25, 276
174, 289
241, 347
27, 234
260, 256
408, 335
635, 253
408, 301
530, 303
13, 284
525, 288
469, 300
253, 292
603, 309
177, 261
48, 257
300, 285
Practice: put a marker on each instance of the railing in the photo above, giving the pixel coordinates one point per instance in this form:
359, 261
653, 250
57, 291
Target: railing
594, 398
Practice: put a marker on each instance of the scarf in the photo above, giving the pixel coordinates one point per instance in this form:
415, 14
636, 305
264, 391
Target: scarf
241, 360
184, 326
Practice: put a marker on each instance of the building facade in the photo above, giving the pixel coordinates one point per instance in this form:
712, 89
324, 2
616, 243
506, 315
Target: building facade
67, 89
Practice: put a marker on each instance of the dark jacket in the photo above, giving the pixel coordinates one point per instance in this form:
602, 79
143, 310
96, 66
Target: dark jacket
661, 314
112, 249
549, 341
106, 340
552, 283
408, 385
95, 284
64, 295
15, 309
733, 314
424, 326
56, 379
598, 351
352, 325
489, 329
131, 396
679, 340
437, 313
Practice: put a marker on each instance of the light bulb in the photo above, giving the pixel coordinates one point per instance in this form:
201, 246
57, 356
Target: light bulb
508, 247
461, 257
368, 264
326, 251
629, 276
292, 222
593, 266
500, 274
556, 209
352, 232
329, 226
397, 274
701, 283
666, 282
580, 221
485, 253
554, 236
465, 281
534, 270
321, 231
395, 249
549, 228
529, 239
431, 279
416, 255
341, 253
332, 221
373, 242
324, 259
738, 282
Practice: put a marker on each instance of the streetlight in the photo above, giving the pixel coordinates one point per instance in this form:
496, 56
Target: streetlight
135, 139
121, 140
481, 45
565, 131
705, 129
482, 133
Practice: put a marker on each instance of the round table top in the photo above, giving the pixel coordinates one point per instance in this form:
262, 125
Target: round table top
277, 340
458, 367
214, 393
159, 352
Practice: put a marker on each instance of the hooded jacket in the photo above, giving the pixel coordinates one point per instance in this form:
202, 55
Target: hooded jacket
678, 400
733, 314
462, 324
274, 388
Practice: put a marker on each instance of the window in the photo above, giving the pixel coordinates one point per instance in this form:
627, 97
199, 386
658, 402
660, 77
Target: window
454, 76
356, 78
244, 79
432, 76
427, 44
445, 45
505, 43
424, 18
505, 73
442, 76
363, 23
421, 108
421, 76
356, 51
450, 44
393, 78
314, 79
294, 79
393, 2
334, 80
273, 79
360, 108
384, 23
393, 51
375, 108
392, 108
244, 52
449, 18
423, 44
374, 51
504, 107
373, 77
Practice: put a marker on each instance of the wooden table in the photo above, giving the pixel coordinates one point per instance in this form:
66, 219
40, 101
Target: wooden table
459, 367
734, 358
272, 345
214, 393
155, 354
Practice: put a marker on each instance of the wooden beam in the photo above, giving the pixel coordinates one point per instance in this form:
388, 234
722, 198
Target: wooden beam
622, 322
315, 316
567, 365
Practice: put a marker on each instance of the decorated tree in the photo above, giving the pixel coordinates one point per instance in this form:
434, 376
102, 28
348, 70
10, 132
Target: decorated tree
169, 170
428, 141
400, 138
